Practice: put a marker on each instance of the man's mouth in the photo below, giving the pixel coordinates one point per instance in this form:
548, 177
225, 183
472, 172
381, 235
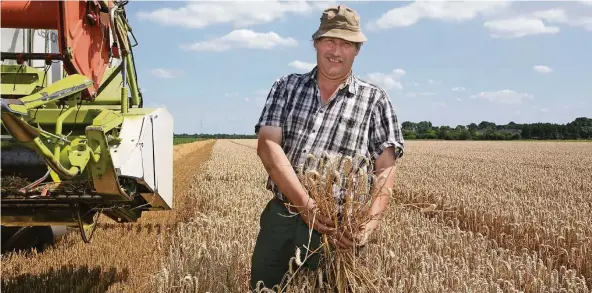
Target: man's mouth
333, 60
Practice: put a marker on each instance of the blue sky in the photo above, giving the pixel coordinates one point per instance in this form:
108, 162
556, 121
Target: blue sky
212, 63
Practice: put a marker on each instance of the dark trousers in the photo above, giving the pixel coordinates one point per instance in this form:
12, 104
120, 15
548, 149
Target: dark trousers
279, 235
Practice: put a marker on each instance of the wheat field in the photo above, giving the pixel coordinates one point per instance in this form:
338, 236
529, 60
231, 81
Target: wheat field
464, 217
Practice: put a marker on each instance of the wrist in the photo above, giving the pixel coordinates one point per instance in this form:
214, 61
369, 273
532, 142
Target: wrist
372, 224
303, 203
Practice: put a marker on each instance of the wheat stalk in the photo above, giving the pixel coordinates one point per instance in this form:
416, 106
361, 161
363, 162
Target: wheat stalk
340, 269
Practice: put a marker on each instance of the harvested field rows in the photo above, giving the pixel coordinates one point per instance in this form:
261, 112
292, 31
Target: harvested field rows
509, 217
121, 258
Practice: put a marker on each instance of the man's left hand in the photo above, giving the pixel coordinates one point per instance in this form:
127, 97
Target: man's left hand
345, 240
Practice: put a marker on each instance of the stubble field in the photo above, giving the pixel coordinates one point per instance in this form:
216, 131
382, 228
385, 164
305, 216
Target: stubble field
509, 217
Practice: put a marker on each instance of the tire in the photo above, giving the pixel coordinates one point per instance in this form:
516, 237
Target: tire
27, 238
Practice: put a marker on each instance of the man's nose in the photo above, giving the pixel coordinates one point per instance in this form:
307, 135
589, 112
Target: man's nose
336, 50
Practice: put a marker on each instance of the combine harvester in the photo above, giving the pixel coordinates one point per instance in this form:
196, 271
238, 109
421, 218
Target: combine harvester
77, 141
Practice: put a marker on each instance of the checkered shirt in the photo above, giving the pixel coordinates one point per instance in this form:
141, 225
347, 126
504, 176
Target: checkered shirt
358, 120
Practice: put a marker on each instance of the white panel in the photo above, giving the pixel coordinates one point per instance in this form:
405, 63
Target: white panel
148, 152
121, 154
163, 132
134, 157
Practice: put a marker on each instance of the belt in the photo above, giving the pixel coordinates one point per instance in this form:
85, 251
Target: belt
286, 204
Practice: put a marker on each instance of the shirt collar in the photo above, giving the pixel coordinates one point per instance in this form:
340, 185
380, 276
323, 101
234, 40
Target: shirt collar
350, 82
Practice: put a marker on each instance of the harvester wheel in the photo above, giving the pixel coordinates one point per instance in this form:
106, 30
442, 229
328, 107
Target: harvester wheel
24, 238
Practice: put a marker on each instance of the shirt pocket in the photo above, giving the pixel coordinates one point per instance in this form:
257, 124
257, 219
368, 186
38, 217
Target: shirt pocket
348, 132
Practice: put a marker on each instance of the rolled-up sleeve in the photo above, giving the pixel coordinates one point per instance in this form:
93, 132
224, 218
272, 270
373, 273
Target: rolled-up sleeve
385, 130
273, 110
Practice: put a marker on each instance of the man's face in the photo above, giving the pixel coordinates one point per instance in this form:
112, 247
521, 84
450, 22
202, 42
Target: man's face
335, 57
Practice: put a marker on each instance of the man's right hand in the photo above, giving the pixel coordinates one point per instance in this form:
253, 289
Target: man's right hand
315, 219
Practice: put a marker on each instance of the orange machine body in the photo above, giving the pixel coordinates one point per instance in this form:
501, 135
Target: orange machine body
83, 32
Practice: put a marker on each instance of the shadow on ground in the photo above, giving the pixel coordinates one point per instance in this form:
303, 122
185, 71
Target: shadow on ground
67, 279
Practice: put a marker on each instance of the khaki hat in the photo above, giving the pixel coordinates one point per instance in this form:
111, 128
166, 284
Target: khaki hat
340, 22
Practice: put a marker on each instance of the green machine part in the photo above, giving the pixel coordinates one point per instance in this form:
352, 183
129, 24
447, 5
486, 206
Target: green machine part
72, 135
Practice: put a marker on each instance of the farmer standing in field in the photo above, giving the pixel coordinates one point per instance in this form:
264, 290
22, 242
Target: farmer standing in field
325, 110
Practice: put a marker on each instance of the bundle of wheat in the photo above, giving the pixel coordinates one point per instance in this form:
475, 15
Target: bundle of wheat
344, 189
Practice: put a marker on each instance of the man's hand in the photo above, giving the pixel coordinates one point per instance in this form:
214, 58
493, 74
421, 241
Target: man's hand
360, 237
315, 219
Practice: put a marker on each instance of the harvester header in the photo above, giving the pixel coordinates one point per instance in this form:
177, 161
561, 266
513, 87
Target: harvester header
77, 140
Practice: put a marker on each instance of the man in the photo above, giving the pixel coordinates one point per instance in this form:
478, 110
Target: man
326, 110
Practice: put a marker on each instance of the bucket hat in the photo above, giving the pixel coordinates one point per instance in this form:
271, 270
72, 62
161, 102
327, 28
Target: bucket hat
340, 22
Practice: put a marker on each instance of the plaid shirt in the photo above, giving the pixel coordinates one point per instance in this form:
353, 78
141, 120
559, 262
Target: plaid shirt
358, 120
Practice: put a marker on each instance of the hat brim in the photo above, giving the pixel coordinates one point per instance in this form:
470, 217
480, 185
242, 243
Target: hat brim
356, 37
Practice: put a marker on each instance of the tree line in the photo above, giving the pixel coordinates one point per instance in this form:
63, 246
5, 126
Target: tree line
580, 128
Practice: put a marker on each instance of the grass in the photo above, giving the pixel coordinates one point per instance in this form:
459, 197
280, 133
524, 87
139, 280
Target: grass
182, 140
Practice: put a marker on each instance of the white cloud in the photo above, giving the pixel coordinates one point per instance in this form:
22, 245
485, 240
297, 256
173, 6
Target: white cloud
551, 15
322, 5
459, 89
423, 94
427, 94
542, 69
387, 80
166, 73
559, 16
242, 39
432, 81
518, 27
544, 110
301, 65
240, 14
440, 10
504, 97
459, 99
512, 26
535, 23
